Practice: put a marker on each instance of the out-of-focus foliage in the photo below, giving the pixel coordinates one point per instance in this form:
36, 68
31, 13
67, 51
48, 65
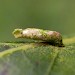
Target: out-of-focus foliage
45, 14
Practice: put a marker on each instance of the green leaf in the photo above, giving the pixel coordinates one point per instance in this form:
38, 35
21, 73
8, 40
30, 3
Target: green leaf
37, 58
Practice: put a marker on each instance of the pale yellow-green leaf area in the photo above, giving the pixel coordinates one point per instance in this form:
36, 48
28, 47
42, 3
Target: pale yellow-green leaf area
9, 51
69, 40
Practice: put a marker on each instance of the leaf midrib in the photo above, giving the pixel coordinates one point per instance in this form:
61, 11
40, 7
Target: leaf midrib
52, 62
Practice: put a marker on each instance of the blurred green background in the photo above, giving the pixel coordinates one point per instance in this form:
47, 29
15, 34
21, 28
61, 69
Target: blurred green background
56, 15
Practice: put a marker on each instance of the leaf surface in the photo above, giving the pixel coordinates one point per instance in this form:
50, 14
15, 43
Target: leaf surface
37, 59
